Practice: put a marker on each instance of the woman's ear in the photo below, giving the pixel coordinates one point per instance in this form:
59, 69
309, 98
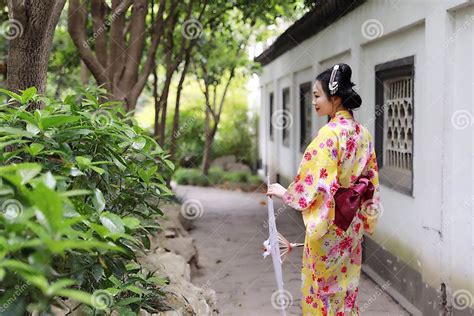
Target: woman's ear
336, 100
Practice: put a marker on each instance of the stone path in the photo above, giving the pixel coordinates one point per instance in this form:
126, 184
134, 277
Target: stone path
229, 235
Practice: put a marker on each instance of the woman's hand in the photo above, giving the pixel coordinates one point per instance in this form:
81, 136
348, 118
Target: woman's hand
277, 190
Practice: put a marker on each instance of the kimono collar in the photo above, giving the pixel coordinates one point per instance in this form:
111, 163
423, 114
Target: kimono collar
346, 114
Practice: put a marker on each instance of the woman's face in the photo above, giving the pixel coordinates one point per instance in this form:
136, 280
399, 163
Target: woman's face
321, 103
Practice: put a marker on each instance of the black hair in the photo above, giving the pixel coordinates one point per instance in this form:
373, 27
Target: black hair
350, 99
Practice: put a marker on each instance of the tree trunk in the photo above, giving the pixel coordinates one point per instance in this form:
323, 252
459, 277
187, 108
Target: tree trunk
206, 158
84, 74
211, 133
32, 25
174, 134
156, 102
3, 69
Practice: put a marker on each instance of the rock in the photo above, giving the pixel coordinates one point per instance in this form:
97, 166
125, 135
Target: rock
223, 161
238, 167
229, 163
167, 264
171, 252
183, 246
171, 221
191, 299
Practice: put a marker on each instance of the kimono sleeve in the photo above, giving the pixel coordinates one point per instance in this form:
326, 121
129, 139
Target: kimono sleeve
371, 210
316, 179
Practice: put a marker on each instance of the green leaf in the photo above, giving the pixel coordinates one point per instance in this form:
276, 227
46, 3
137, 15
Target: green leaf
135, 289
98, 200
33, 129
49, 180
115, 281
76, 295
35, 149
57, 120
131, 222
28, 172
83, 161
6, 191
17, 266
75, 193
11, 94
28, 94
129, 300
97, 169
169, 163
157, 281
59, 246
76, 172
48, 204
97, 272
139, 143
20, 174
59, 285
15, 131
113, 222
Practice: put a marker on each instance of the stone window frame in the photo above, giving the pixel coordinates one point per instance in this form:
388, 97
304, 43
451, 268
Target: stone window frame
400, 179
305, 117
285, 135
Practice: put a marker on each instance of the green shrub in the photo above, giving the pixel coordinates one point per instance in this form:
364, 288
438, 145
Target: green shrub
189, 137
236, 176
254, 180
186, 175
80, 184
216, 174
191, 176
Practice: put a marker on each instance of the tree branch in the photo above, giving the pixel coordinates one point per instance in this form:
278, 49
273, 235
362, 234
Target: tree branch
134, 51
77, 16
150, 59
99, 13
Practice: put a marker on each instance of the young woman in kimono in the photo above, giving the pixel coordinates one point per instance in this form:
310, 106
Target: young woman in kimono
342, 151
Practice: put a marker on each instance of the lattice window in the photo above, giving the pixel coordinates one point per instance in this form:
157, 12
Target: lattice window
394, 130
399, 123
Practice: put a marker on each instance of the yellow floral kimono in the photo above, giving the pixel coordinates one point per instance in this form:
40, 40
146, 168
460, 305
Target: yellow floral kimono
342, 151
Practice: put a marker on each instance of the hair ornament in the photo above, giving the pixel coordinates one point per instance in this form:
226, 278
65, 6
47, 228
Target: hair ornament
332, 83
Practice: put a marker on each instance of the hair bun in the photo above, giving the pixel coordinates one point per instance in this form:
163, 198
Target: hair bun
346, 74
350, 99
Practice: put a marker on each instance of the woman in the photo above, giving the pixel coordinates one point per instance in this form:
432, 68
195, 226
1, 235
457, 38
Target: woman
341, 152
